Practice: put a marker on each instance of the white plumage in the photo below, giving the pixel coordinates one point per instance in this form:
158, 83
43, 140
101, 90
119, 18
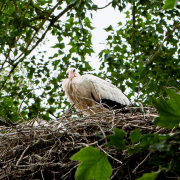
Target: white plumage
87, 90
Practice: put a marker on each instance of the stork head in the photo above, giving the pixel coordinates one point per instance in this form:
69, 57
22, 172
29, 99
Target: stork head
72, 72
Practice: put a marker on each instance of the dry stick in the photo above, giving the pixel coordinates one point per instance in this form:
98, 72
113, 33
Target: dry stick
113, 120
70, 170
22, 155
69, 110
42, 175
109, 155
21, 105
40, 164
134, 171
103, 133
114, 174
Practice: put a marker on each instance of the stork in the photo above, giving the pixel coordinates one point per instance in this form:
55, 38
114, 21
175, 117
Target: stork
87, 90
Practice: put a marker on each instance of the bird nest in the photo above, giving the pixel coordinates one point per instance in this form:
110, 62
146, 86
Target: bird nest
43, 150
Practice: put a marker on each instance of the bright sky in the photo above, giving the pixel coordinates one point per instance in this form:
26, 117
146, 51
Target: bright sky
102, 19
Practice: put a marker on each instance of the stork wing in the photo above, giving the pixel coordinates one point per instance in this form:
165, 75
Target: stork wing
105, 92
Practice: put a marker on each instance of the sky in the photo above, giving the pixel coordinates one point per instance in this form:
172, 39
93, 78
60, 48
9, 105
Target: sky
102, 19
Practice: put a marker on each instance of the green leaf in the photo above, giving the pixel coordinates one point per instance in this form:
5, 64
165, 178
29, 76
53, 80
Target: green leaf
117, 139
109, 28
94, 164
150, 139
87, 22
169, 112
161, 146
155, 159
170, 4
60, 45
135, 136
149, 176
134, 149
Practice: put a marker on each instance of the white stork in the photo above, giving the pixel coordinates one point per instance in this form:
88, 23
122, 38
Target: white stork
87, 90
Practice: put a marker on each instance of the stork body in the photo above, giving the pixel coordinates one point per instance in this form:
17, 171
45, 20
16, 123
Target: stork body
87, 90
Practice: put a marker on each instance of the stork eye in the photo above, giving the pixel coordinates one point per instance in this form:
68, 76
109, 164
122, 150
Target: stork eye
67, 74
74, 70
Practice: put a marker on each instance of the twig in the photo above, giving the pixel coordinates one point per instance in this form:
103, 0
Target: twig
17, 164
105, 6
42, 175
113, 120
102, 133
70, 170
134, 171
69, 110
21, 105
110, 155
175, 27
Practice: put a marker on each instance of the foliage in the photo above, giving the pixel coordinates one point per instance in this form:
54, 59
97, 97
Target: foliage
149, 176
168, 110
116, 140
94, 164
23, 28
169, 4
143, 54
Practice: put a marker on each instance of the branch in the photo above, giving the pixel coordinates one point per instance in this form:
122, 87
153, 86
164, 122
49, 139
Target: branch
21, 105
134, 171
17, 164
40, 26
175, 27
14, 39
15, 5
2, 5
12, 70
105, 6
42, 37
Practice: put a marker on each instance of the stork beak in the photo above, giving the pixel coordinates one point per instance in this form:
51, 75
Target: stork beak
71, 75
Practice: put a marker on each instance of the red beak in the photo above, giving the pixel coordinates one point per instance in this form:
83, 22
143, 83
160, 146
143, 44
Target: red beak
71, 75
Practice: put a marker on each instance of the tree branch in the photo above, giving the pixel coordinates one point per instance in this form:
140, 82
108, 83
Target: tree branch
40, 26
105, 6
175, 27
42, 37
2, 5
